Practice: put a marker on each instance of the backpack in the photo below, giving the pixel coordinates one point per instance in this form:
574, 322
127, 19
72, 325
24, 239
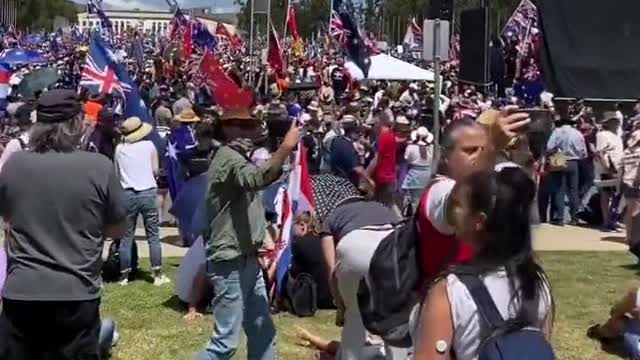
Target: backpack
303, 295
394, 269
504, 340
111, 266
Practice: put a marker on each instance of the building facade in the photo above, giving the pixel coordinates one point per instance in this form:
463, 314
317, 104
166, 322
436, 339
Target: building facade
9, 12
147, 21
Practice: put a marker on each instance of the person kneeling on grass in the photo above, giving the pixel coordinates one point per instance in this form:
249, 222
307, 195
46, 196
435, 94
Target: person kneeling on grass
623, 324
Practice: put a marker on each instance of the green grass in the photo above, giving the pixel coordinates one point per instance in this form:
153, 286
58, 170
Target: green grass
584, 286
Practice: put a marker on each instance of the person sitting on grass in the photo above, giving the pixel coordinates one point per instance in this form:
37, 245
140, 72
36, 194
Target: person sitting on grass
623, 324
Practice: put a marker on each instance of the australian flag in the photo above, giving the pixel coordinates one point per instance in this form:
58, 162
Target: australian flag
103, 74
94, 7
351, 38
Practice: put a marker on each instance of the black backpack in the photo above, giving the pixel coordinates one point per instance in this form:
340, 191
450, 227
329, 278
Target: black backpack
392, 289
303, 295
504, 340
111, 266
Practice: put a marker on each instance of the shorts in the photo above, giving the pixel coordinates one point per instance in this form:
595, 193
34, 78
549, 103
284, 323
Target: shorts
50, 329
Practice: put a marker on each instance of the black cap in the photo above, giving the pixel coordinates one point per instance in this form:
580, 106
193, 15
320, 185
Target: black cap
57, 106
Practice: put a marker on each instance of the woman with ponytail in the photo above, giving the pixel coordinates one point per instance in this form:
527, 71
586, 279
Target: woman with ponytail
490, 211
419, 156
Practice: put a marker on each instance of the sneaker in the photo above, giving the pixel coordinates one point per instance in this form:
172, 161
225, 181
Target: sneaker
124, 282
160, 280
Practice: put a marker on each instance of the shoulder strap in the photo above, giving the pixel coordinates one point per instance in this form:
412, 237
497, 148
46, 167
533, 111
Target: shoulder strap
487, 309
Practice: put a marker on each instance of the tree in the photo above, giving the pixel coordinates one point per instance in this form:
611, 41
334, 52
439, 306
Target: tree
40, 14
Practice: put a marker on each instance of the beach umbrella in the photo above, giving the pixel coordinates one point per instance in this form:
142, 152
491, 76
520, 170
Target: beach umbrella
38, 80
13, 57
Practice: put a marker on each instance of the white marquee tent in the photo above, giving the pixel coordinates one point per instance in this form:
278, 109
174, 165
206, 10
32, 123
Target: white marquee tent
385, 67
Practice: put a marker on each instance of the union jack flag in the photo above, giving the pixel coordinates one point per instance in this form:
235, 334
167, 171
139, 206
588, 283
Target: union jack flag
337, 29
523, 22
99, 73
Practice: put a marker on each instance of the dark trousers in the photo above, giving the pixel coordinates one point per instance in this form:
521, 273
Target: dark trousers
565, 184
544, 197
587, 175
49, 330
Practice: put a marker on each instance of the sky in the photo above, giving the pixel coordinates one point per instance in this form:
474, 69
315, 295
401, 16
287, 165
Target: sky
220, 5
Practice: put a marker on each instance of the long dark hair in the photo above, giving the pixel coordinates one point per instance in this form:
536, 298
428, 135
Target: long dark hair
505, 197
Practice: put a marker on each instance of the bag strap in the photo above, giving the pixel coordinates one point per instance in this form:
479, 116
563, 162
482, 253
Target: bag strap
489, 313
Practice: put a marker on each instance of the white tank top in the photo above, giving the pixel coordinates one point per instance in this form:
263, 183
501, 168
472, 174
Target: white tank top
466, 325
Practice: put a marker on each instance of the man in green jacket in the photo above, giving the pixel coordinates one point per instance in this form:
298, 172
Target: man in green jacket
237, 228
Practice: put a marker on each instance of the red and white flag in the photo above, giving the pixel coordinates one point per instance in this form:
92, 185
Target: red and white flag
297, 199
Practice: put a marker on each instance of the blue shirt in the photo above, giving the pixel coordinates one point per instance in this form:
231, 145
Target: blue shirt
569, 142
344, 159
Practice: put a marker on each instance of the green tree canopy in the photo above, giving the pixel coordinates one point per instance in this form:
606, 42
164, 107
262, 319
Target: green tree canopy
40, 14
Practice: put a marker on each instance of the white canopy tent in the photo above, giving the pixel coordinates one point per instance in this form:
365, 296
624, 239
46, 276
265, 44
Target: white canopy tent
385, 67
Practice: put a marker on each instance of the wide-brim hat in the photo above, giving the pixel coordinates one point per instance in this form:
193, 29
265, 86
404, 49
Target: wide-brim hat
187, 116
609, 116
238, 115
134, 130
422, 136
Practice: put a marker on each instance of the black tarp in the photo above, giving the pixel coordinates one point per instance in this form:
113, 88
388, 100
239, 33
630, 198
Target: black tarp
591, 48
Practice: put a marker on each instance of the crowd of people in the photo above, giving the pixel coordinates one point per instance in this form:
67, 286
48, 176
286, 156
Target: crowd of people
74, 172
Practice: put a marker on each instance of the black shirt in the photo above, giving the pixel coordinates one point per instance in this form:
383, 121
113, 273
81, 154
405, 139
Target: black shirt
308, 258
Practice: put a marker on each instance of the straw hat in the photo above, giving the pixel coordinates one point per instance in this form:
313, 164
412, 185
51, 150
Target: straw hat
134, 130
422, 136
243, 115
187, 116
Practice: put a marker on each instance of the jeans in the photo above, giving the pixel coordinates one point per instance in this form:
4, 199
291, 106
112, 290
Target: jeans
565, 183
144, 203
240, 301
631, 338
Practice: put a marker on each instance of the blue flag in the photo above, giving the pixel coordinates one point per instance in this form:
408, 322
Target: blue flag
347, 33
93, 7
103, 74
181, 146
202, 36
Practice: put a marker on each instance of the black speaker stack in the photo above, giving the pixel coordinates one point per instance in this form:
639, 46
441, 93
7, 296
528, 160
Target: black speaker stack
474, 46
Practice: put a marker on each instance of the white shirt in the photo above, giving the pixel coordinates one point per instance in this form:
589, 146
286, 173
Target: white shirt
610, 147
134, 163
464, 312
13, 146
413, 156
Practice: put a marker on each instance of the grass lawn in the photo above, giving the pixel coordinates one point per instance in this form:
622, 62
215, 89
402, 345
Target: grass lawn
151, 326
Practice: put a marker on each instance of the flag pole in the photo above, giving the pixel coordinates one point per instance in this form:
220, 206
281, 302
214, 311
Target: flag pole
251, 58
286, 22
269, 32
330, 17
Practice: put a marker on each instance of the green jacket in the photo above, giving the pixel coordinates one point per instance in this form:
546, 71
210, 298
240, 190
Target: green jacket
236, 217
